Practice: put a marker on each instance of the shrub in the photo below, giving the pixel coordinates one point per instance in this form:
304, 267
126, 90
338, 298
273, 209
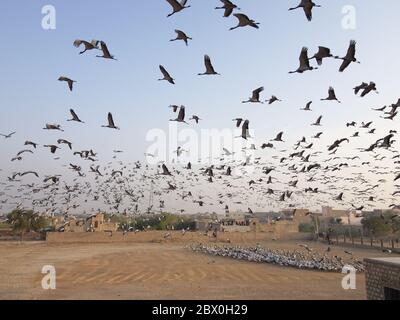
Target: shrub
306, 228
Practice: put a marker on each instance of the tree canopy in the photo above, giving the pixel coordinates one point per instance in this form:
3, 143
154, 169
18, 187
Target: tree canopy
384, 225
23, 221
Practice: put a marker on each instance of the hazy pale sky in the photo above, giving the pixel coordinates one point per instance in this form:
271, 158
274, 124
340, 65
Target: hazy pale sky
138, 34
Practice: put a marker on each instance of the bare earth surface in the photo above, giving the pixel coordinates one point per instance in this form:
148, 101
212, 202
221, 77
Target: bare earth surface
162, 271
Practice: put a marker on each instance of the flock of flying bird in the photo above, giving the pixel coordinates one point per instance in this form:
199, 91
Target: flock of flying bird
293, 178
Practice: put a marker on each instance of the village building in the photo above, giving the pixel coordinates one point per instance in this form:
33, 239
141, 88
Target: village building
95, 223
239, 223
383, 278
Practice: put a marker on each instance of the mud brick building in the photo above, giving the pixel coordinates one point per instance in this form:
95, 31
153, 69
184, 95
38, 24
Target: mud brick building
383, 278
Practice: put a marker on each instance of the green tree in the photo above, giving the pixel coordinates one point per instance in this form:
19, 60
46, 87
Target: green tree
165, 221
396, 226
168, 221
378, 226
23, 221
306, 227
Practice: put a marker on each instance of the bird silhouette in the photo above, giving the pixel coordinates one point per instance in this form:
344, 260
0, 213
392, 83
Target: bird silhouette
7, 136
307, 6
349, 57
74, 116
304, 62
228, 6
323, 53
94, 44
166, 75
244, 21
106, 52
180, 35
177, 6
111, 124
255, 98
209, 67
331, 96
181, 115
68, 81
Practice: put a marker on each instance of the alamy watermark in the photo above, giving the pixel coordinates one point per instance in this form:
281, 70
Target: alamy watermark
49, 21
49, 280
349, 280
349, 21
204, 147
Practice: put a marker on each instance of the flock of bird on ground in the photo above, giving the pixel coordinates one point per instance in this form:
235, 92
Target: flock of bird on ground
308, 259
124, 187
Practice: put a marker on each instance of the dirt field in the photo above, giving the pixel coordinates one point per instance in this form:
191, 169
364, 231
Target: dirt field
161, 271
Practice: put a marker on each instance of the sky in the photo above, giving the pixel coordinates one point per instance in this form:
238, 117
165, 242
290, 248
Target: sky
138, 34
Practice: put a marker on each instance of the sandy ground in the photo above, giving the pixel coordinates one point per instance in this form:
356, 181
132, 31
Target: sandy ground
162, 271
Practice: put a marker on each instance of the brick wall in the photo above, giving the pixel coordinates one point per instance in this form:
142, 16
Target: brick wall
158, 236
381, 273
281, 228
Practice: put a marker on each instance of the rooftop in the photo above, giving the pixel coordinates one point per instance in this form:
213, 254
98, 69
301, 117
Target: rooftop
387, 261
